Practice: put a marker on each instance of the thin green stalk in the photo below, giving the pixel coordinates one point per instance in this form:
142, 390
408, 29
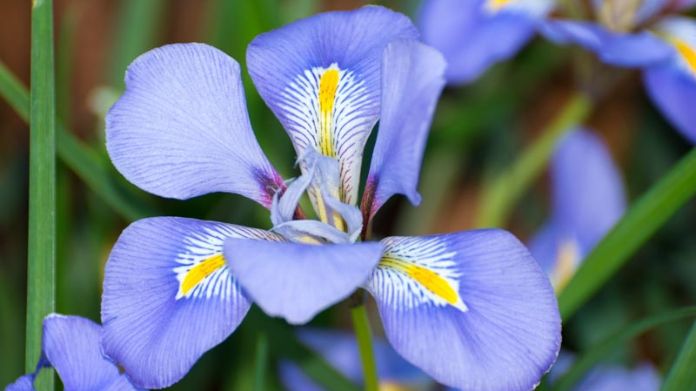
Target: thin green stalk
641, 221
79, 157
42, 186
682, 376
261, 362
602, 349
499, 197
363, 333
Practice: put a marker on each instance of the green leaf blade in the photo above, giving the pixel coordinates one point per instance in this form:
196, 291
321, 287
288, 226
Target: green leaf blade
42, 186
642, 220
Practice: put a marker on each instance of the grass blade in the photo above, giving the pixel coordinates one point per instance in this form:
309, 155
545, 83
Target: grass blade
682, 376
500, 196
79, 157
648, 214
42, 186
606, 346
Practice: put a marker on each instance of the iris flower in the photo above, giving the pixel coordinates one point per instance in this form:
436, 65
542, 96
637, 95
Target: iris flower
71, 345
473, 35
587, 200
644, 35
341, 350
472, 309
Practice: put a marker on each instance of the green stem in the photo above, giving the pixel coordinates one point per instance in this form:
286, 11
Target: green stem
363, 333
42, 186
500, 196
641, 221
261, 361
682, 376
78, 156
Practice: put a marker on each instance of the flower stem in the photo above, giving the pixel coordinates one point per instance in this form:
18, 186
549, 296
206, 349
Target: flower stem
363, 333
42, 186
499, 196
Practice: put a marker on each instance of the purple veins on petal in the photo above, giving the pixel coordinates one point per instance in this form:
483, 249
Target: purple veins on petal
321, 78
296, 281
169, 296
181, 128
471, 309
71, 345
412, 79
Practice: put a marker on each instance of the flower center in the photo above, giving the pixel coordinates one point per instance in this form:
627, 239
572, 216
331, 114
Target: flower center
338, 222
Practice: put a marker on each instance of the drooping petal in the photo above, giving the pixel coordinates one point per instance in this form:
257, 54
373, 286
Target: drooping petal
672, 86
673, 93
544, 247
588, 199
588, 191
181, 128
340, 349
71, 345
639, 49
471, 309
473, 35
321, 77
24, 383
297, 281
169, 296
411, 84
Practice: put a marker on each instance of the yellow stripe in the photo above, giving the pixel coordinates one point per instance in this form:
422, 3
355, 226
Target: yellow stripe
199, 272
328, 84
497, 5
687, 52
426, 277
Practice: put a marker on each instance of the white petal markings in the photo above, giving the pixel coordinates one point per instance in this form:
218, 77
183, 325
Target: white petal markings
417, 271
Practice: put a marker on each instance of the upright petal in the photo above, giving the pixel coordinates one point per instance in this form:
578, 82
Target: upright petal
181, 128
473, 35
588, 199
471, 309
296, 281
412, 79
169, 296
321, 77
340, 349
588, 191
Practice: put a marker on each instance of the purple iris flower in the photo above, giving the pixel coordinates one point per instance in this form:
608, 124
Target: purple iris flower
71, 345
588, 198
473, 35
643, 377
340, 349
647, 36
471, 309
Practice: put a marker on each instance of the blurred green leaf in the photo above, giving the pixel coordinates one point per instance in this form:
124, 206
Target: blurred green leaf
595, 354
261, 362
138, 24
41, 262
81, 159
682, 376
648, 214
499, 196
